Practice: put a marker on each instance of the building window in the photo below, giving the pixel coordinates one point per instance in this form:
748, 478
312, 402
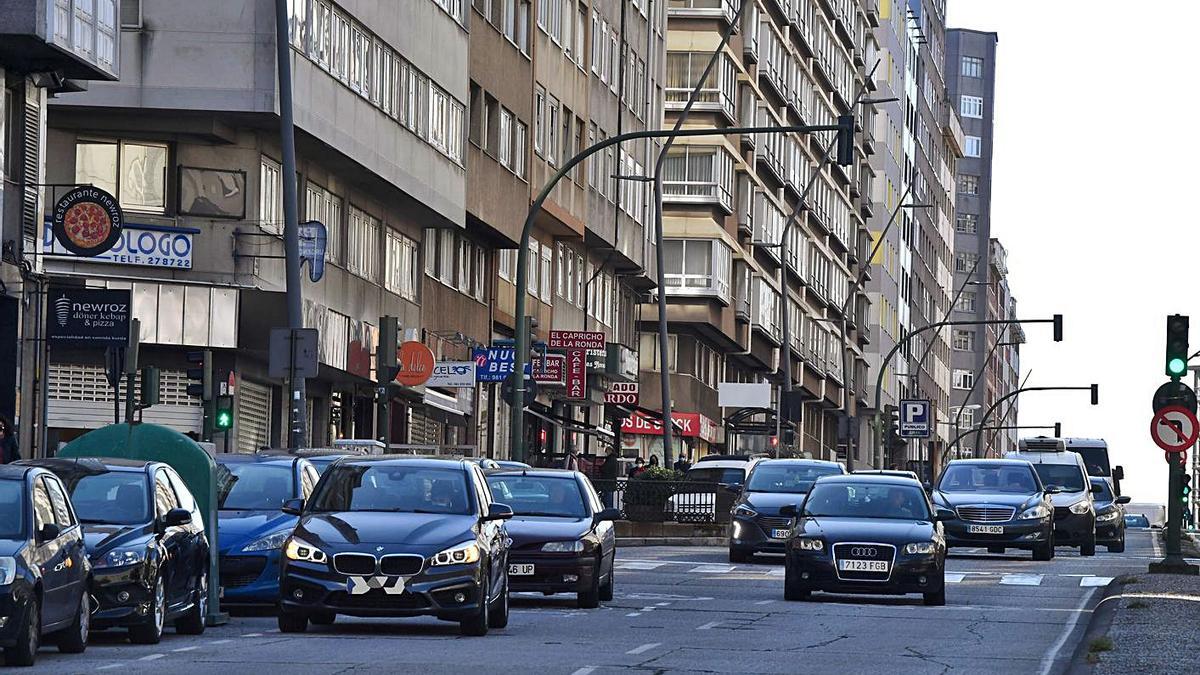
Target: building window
362, 245
136, 173
683, 71
764, 311
966, 417
966, 302
968, 184
457, 262
967, 223
974, 146
964, 340
326, 207
698, 267
965, 262
506, 264
648, 352
699, 173
504, 142
972, 66
971, 106
270, 196
401, 277
963, 379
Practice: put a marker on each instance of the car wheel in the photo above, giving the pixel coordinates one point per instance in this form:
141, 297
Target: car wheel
322, 619
477, 625
606, 591
1088, 548
736, 556
935, 599
792, 590
292, 622
498, 612
590, 599
25, 650
192, 623
74, 639
150, 632
1118, 547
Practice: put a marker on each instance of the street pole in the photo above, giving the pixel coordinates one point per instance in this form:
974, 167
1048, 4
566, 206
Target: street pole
1095, 389
516, 433
297, 407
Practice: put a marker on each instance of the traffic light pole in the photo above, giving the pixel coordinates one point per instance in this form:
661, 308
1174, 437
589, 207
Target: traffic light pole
1174, 562
1094, 388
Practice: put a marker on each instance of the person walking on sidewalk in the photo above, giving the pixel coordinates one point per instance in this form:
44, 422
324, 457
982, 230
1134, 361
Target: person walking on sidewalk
608, 473
8, 442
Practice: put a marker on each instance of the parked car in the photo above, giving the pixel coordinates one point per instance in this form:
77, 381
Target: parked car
1110, 515
1137, 520
44, 568
563, 539
396, 537
251, 490
721, 471
756, 525
146, 543
321, 458
998, 504
1074, 510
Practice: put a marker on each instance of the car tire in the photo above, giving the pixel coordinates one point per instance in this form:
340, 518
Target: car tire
1118, 547
322, 619
477, 625
1043, 551
151, 632
292, 622
995, 549
606, 590
792, 591
590, 599
935, 599
192, 623
74, 639
736, 556
498, 612
24, 652
1088, 548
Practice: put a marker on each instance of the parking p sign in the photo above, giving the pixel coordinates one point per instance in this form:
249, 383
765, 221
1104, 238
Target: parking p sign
916, 419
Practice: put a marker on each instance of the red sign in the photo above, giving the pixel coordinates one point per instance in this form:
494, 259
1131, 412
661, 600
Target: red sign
576, 374
690, 425
551, 370
1174, 428
415, 362
622, 393
576, 339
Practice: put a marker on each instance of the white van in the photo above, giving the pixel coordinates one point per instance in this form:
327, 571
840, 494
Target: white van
1065, 477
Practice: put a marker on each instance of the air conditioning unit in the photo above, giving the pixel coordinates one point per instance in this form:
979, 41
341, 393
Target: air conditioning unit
131, 14
1043, 444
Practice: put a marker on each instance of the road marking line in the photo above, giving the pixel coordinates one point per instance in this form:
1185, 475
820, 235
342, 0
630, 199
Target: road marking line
643, 649
1155, 544
647, 609
711, 569
184, 649
662, 604
1094, 581
764, 602
777, 572
110, 666
584, 670
639, 565
709, 626
954, 577
1021, 579
634, 614
151, 657
1052, 653
220, 642
252, 635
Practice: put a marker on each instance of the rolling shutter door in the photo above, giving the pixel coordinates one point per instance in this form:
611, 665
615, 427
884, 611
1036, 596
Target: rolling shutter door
79, 398
253, 418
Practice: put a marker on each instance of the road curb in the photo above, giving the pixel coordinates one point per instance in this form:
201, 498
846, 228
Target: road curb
1098, 625
626, 542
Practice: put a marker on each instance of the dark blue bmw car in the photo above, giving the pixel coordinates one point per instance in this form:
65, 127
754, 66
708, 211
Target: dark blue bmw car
251, 489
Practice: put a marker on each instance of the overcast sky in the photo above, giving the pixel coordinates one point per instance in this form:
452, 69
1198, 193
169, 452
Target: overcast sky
1093, 164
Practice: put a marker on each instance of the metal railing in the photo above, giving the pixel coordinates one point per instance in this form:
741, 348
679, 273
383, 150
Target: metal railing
655, 501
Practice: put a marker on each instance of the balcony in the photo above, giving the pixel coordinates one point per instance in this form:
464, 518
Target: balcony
77, 38
702, 8
953, 131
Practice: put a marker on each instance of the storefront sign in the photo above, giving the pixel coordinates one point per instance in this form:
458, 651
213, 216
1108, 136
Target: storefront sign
415, 363
688, 425
576, 339
138, 244
312, 248
576, 374
453, 374
493, 364
622, 393
621, 362
87, 221
551, 370
96, 317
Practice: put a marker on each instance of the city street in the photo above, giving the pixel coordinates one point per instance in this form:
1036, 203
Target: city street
685, 609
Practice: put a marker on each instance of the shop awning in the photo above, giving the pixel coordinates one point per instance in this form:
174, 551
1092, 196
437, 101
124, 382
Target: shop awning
575, 426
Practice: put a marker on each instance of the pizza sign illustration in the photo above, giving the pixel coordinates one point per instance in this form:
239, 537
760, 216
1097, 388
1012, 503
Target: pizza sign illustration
87, 221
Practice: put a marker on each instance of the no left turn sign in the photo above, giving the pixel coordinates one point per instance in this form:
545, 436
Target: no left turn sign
1174, 429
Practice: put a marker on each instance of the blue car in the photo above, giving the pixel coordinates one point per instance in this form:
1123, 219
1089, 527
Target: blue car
250, 527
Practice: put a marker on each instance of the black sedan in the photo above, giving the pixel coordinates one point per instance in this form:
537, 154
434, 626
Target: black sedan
756, 525
397, 537
998, 504
563, 540
1110, 515
43, 566
146, 542
866, 534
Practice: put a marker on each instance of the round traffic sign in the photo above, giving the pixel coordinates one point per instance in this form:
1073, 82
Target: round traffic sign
1174, 393
1180, 457
1174, 428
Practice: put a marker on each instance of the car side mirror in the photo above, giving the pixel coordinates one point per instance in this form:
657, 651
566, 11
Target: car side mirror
177, 517
1118, 473
607, 514
928, 488
1124, 499
293, 507
498, 512
941, 515
49, 532
789, 511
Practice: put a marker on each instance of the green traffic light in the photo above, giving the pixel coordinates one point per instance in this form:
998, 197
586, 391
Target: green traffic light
1177, 366
224, 419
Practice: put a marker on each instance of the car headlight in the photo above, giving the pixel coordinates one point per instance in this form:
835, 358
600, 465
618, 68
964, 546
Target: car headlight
122, 557
563, 547
8, 570
269, 542
1034, 513
811, 545
920, 548
298, 549
1081, 507
462, 554
743, 510
1107, 517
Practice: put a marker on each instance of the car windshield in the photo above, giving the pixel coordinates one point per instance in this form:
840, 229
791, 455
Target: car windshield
1105, 493
1096, 460
987, 478
253, 486
12, 509
393, 488
1065, 476
863, 500
113, 497
322, 462
540, 495
789, 478
729, 476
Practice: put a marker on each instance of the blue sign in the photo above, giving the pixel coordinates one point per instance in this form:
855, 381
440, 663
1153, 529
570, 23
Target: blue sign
138, 244
495, 364
916, 419
312, 248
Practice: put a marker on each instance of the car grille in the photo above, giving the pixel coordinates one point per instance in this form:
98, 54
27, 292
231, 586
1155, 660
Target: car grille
238, 571
986, 514
864, 551
354, 563
377, 600
774, 523
401, 565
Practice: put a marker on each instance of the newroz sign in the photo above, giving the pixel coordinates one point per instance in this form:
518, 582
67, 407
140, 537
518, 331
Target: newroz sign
688, 425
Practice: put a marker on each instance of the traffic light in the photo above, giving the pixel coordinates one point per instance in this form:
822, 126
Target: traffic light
774, 442
201, 375
1058, 327
845, 140
1185, 489
1177, 345
223, 419
891, 429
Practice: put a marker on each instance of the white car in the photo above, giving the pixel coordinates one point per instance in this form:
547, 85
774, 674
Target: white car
701, 506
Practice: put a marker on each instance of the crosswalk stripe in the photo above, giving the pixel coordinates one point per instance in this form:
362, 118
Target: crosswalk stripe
1021, 579
954, 577
639, 565
711, 569
1095, 581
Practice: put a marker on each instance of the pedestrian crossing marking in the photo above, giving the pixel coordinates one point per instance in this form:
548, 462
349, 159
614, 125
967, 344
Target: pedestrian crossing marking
711, 569
954, 577
640, 565
1021, 580
1095, 581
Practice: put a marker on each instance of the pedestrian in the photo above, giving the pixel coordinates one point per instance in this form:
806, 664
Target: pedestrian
682, 464
653, 462
608, 474
8, 442
571, 461
639, 465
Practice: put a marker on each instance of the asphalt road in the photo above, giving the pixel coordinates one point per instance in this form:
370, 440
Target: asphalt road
686, 609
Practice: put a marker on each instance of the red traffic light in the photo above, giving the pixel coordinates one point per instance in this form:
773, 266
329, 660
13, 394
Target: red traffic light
774, 441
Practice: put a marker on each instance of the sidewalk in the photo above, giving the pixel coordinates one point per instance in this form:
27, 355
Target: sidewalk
1146, 624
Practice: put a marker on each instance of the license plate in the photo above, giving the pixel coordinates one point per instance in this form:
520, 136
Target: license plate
520, 570
356, 585
780, 533
864, 565
985, 529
